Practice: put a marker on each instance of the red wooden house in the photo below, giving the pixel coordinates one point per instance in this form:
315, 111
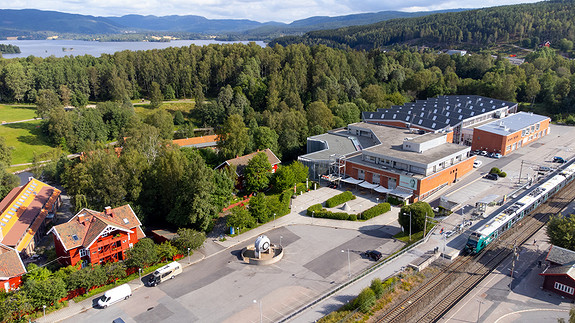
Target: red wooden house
11, 268
559, 276
97, 237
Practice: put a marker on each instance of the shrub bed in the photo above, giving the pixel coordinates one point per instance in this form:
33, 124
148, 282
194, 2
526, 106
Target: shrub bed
318, 211
375, 211
339, 199
395, 201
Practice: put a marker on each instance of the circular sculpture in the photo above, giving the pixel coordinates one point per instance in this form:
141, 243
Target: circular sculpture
262, 252
262, 244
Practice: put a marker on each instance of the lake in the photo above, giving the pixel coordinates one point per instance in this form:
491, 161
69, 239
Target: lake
45, 48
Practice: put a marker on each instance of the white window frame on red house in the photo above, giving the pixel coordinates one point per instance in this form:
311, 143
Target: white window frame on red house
564, 288
84, 252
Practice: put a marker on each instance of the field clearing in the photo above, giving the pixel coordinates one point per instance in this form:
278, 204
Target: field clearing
26, 138
185, 107
11, 113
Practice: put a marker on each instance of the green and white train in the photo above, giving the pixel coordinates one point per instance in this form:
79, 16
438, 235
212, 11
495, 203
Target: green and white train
506, 218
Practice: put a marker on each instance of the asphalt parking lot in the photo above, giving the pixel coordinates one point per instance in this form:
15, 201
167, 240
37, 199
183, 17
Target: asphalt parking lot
222, 288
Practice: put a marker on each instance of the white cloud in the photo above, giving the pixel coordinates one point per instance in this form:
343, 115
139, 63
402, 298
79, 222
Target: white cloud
259, 10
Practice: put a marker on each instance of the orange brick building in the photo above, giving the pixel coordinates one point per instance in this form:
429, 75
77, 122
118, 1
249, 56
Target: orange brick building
407, 165
97, 237
511, 133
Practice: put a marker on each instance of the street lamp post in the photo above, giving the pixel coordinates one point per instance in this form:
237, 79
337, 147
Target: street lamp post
410, 226
444, 238
348, 264
189, 260
312, 214
274, 220
377, 199
261, 310
44, 309
140, 274
479, 310
281, 241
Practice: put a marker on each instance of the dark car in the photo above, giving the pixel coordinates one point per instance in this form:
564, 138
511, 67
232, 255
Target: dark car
373, 254
558, 159
492, 177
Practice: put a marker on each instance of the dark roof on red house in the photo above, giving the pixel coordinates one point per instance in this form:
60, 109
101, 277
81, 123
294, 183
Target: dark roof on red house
87, 225
10, 263
242, 162
560, 256
567, 270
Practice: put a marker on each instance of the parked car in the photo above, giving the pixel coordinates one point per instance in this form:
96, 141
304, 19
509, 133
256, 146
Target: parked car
497, 155
373, 255
558, 159
492, 177
545, 169
448, 234
115, 295
477, 163
483, 153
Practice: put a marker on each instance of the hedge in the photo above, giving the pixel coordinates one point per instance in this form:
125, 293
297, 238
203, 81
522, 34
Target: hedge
339, 199
395, 201
375, 211
318, 211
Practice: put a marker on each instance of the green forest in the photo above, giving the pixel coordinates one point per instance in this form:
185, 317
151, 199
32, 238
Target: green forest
254, 97
527, 25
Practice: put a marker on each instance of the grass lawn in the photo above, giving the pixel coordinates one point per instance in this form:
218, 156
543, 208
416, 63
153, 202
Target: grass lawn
26, 138
9, 113
144, 110
415, 236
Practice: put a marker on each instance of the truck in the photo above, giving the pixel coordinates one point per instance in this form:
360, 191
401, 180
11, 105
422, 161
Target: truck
164, 273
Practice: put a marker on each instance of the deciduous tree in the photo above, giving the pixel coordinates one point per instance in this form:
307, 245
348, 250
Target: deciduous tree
257, 173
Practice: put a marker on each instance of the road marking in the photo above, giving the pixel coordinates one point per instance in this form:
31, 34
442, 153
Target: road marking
530, 310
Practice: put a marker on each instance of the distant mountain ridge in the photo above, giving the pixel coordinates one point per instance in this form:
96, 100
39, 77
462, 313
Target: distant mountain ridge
28, 21
527, 24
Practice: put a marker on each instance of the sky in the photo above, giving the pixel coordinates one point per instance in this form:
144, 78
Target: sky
258, 10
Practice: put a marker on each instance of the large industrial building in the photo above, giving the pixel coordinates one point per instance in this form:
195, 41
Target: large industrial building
389, 160
413, 150
457, 113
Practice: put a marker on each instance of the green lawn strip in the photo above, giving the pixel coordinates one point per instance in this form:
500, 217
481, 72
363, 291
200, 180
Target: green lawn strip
17, 168
10, 113
119, 282
26, 138
415, 236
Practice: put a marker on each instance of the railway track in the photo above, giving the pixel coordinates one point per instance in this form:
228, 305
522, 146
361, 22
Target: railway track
432, 300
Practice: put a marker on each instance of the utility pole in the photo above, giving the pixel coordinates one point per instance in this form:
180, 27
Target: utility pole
520, 171
513, 265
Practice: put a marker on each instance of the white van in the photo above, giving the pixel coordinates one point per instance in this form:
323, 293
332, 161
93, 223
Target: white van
115, 295
164, 273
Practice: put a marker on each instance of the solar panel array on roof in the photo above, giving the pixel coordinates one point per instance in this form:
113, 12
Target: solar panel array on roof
440, 112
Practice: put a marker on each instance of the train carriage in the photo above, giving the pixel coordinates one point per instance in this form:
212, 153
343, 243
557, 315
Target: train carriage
504, 220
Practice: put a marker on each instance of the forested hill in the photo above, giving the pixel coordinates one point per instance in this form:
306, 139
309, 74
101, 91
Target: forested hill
528, 24
298, 27
31, 23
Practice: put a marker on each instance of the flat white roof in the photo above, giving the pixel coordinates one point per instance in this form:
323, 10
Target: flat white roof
512, 123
